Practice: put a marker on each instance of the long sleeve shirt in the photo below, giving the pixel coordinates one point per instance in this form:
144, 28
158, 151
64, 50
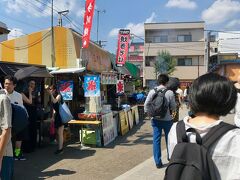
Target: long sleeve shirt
170, 97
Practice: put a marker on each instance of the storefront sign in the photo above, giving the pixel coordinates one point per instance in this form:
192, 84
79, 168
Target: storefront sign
66, 89
88, 16
130, 119
135, 114
122, 50
123, 122
120, 87
108, 128
108, 78
91, 86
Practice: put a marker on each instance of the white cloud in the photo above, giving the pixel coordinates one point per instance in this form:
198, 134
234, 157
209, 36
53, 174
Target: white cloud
221, 11
234, 23
40, 8
15, 32
137, 29
182, 4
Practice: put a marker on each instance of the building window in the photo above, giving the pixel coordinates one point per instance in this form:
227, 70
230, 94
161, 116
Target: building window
150, 60
184, 38
184, 62
163, 39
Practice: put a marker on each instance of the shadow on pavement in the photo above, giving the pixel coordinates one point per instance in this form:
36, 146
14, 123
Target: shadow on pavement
57, 172
36, 164
139, 137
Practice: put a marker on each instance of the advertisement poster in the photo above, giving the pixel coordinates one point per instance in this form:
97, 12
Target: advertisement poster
122, 49
108, 128
91, 86
66, 89
120, 86
108, 78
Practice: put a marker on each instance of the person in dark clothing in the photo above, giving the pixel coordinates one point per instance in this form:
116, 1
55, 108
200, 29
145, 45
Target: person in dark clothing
30, 101
56, 99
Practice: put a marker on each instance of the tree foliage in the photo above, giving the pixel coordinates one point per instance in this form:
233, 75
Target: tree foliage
164, 64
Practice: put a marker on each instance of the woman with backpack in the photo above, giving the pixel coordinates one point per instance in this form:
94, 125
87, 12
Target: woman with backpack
205, 141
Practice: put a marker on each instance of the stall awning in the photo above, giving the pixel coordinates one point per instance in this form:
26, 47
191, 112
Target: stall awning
10, 68
69, 70
133, 69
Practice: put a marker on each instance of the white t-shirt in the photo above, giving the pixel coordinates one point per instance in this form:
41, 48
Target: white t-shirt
15, 98
225, 152
180, 92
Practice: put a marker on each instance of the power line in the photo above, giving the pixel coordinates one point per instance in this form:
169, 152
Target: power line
22, 22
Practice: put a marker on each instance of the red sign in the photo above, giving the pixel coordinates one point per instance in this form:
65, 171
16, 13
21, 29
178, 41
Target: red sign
88, 16
120, 86
122, 51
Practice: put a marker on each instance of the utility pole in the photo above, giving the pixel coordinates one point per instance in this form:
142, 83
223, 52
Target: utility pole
60, 13
208, 50
98, 11
53, 46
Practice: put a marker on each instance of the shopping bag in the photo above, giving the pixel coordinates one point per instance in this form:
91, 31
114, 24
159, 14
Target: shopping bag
65, 113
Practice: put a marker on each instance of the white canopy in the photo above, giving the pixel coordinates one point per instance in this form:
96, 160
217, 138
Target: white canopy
68, 70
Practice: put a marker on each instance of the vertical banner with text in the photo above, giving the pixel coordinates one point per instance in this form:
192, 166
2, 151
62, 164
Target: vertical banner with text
122, 50
88, 16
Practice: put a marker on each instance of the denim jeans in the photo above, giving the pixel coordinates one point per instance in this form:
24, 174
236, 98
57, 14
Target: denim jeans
7, 168
157, 135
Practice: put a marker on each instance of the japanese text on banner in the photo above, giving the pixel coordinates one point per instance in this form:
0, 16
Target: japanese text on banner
88, 16
122, 51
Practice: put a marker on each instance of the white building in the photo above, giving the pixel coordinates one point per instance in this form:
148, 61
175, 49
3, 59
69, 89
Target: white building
3, 32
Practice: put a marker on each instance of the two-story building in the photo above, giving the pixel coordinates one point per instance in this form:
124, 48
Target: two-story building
185, 42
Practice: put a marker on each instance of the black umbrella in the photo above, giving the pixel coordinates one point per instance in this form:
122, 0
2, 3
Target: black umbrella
31, 71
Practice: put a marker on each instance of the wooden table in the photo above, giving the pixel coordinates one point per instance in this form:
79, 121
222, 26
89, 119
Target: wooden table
84, 122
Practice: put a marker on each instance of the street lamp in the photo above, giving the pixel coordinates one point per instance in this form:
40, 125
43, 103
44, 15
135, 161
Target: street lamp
99, 11
60, 13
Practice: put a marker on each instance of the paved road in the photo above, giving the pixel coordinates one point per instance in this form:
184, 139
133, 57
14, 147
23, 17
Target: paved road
129, 157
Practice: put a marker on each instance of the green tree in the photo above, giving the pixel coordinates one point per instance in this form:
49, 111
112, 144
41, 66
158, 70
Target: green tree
164, 63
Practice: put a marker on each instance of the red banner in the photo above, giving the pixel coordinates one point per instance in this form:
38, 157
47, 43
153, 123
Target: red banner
88, 16
122, 51
120, 86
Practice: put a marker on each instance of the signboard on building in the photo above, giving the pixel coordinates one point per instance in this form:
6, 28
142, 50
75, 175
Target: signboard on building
120, 87
88, 16
123, 44
66, 89
108, 78
91, 86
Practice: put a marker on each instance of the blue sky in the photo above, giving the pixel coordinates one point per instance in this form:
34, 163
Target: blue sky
27, 16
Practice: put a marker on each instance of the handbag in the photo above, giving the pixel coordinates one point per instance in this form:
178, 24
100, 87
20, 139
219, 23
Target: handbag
65, 112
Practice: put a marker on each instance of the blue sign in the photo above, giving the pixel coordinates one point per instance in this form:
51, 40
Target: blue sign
91, 86
66, 89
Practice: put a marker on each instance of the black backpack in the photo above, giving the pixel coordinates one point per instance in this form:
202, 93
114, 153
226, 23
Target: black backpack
158, 105
192, 161
19, 119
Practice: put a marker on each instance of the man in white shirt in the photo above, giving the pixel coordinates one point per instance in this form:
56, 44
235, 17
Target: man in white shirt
15, 98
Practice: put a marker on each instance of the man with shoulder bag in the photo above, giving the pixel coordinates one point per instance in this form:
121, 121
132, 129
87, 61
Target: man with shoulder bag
158, 104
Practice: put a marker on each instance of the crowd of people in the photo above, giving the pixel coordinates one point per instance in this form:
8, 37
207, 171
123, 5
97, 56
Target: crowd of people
12, 145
